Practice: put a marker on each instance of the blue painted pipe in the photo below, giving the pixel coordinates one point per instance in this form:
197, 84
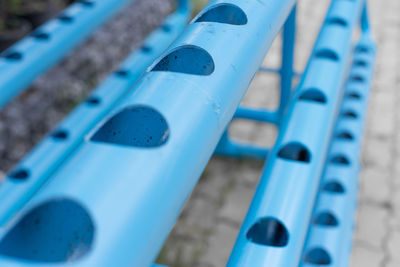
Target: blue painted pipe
287, 73
33, 171
126, 184
35, 54
330, 232
275, 228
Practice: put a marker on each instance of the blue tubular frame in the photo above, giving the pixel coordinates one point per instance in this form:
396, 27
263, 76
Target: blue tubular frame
287, 73
231, 148
105, 188
186, 97
32, 56
52, 151
336, 240
284, 199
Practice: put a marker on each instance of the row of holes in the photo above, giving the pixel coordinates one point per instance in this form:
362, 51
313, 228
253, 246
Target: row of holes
319, 255
150, 128
223, 13
61, 135
270, 231
42, 36
58, 135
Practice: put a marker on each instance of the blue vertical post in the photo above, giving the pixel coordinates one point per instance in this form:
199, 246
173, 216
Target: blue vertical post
184, 6
288, 46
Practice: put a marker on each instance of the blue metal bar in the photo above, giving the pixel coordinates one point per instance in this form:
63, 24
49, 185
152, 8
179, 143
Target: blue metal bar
277, 71
32, 56
275, 228
332, 226
140, 159
267, 69
184, 6
288, 45
261, 115
39, 164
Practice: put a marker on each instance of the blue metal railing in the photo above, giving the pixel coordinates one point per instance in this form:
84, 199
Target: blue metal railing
276, 225
330, 232
105, 188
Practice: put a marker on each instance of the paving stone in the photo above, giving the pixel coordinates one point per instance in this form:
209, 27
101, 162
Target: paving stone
371, 225
220, 245
363, 257
394, 248
378, 152
236, 204
375, 184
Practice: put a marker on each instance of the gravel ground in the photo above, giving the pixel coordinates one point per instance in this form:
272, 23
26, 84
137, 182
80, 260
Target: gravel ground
25, 121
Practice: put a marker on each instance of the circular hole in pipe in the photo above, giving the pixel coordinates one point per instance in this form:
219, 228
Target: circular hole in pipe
337, 21
122, 73
326, 218
13, 55
66, 18
134, 126
93, 100
187, 59
334, 187
60, 135
268, 231
19, 174
350, 114
317, 256
41, 36
340, 159
224, 13
360, 63
313, 95
327, 54
295, 151
56, 231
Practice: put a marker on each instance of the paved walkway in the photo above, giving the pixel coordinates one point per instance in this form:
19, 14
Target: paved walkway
207, 229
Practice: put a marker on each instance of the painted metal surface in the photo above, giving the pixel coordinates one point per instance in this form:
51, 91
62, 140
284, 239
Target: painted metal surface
105, 188
184, 103
330, 232
34, 170
275, 228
